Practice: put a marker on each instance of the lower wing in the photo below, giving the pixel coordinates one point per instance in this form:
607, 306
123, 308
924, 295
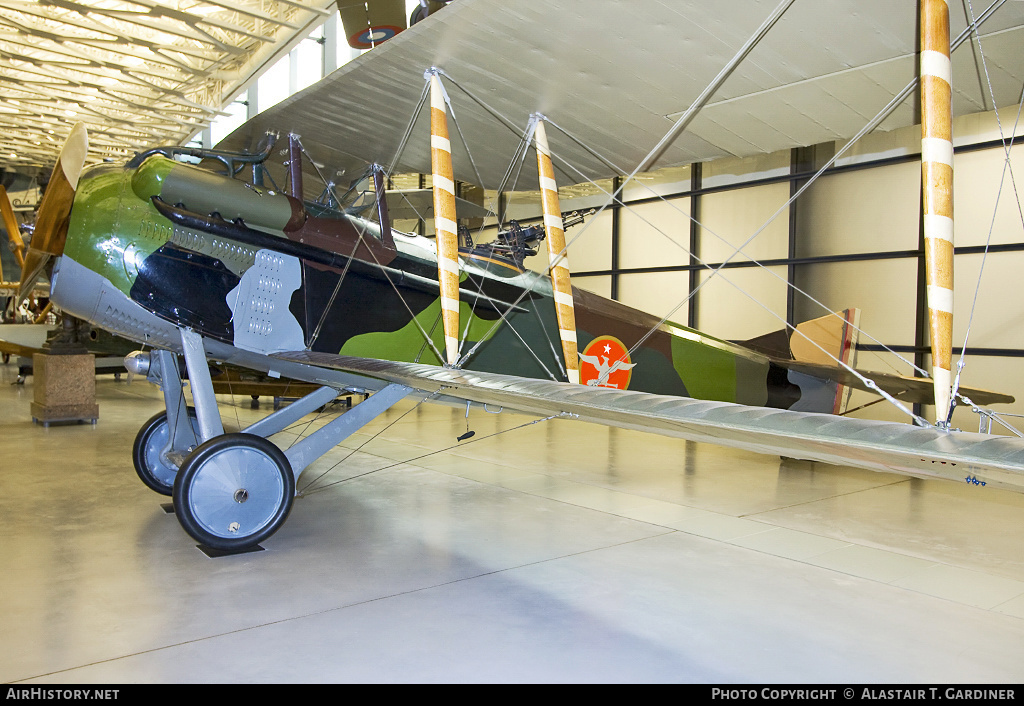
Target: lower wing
980, 459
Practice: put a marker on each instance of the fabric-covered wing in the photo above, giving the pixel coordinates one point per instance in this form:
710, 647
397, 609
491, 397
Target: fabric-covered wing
881, 446
616, 75
368, 24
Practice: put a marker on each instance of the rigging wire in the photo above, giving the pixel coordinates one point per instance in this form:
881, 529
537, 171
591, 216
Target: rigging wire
309, 489
869, 127
334, 294
1006, 167
417, 110
877, 120
409, 128
412, 316
868, 383
864, 380
705, 228
306, 492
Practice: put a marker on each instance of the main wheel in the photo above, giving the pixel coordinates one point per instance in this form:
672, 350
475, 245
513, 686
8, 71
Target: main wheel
234, 491
151, 440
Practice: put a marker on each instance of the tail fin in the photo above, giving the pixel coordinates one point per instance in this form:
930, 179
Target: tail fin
837, 335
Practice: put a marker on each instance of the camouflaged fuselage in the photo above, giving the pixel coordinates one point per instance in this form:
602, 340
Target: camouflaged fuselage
185, 245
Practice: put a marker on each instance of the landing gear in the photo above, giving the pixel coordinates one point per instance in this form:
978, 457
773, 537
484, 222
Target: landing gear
155, 466
234, 491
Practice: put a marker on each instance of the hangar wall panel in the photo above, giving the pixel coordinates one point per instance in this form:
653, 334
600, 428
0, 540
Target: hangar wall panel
733, 170
600, 284
590, 249
656, 293
998, 318
884, 290
743, 303
655, 234
869, 210
590, 243
982, 188
728, 219
663, 182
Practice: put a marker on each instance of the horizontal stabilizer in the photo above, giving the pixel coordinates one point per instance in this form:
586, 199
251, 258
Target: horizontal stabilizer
905, 389
816, 346
980, 459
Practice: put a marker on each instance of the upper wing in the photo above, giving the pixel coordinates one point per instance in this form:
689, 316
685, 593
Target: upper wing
368, 24
881, 446
615, 75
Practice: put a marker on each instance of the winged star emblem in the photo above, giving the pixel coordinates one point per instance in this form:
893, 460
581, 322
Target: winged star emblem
607, 356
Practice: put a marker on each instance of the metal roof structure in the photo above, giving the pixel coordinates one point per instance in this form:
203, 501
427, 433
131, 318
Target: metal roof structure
138, 73
617, 75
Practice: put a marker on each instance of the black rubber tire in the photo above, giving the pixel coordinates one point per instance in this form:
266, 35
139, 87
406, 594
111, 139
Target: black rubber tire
142, 465
194, 509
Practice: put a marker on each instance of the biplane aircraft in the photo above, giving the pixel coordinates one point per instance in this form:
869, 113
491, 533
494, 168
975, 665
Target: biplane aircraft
219, 262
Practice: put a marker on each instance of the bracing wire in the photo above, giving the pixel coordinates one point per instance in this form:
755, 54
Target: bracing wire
615, 198
1007, 167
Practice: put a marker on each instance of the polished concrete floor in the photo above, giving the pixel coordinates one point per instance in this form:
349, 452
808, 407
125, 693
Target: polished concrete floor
558, 551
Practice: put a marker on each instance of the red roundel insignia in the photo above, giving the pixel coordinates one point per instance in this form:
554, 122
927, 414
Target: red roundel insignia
605, 363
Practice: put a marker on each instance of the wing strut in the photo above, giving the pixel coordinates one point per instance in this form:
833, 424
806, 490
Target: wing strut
937, 186
445, 226
558, 258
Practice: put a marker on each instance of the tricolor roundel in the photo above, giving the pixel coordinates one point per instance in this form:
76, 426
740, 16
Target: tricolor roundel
605, 363
372, 36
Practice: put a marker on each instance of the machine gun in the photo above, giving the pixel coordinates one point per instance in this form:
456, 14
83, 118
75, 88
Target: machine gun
517, 242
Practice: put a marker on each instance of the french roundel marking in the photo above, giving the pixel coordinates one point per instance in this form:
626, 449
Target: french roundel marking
374, 35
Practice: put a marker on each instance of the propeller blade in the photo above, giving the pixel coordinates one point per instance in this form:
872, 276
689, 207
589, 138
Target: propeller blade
11, 225
51, 227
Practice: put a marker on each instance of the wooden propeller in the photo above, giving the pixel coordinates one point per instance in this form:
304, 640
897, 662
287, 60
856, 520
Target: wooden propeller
11, 226
51, 227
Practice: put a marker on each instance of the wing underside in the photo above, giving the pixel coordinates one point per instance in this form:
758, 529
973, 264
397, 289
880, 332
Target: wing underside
980, 459
617, 75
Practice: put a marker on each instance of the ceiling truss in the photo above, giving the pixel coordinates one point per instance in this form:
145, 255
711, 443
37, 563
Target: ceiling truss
139, 73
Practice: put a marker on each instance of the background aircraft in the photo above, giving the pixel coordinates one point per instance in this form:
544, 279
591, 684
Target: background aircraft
369, 24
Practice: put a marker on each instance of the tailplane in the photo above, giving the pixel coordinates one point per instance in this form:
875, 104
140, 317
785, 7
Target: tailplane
817, 342
826, 339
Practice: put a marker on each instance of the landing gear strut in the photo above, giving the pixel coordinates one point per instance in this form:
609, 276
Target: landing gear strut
232, 491
152, 443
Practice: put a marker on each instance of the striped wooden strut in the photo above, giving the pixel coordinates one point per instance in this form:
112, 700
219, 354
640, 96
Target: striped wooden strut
937, 190
558, 259
445, 226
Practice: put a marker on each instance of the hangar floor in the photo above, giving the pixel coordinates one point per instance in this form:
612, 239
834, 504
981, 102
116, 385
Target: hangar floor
554, 552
